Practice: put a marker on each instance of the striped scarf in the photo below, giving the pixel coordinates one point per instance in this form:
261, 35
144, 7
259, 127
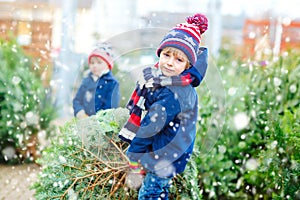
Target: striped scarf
152, 79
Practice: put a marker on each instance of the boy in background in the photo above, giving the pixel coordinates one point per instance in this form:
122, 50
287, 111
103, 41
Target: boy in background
162, 142
100, 89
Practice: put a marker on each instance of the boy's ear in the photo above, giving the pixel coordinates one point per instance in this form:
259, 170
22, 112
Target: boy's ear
188, 65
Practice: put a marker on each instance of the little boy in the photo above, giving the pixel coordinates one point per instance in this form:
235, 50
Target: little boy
100, 89
162, 142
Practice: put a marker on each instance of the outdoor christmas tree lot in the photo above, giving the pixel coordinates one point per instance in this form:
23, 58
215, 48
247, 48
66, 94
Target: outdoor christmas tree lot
252, 153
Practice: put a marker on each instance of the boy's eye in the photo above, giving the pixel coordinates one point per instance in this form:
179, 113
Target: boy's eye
166, 54
181, 59
96, 62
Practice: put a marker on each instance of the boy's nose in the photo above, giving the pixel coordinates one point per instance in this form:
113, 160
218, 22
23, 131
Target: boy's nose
170, 61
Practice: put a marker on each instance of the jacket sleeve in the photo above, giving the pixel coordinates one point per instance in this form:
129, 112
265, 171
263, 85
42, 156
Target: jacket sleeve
78, 99
159, 114
115, 99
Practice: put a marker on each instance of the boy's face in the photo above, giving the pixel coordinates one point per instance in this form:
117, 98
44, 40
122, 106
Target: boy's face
172, 61
97, 65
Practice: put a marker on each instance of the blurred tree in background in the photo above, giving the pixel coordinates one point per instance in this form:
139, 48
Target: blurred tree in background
26, 108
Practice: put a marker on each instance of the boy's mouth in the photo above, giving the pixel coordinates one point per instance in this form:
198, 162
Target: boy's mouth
167, 69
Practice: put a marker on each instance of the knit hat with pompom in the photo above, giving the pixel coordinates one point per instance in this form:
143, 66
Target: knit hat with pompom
186, 36
104, 51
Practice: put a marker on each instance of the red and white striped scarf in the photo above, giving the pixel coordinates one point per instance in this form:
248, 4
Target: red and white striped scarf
152, 79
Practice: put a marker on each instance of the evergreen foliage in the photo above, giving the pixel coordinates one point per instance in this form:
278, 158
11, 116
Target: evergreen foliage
26, 111
261, 159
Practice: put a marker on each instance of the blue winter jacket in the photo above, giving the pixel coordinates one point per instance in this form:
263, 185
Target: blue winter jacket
93, 96
165, 140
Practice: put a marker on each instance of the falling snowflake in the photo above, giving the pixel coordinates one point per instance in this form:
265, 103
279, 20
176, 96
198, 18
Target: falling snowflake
31, 118
273, 145
232, 91
16, 80
293, 88
251, 164
241, 121
222, 149
62, 159
277, 81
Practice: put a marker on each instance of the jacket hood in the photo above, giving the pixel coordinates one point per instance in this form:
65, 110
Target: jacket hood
198, 71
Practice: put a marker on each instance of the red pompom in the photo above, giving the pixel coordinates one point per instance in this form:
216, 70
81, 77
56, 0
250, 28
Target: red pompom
199, 20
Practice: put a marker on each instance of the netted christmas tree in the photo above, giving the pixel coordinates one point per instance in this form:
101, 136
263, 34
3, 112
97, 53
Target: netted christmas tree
87, 161
84, 161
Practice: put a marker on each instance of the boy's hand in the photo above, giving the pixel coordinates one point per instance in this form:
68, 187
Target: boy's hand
135, 176
81, 114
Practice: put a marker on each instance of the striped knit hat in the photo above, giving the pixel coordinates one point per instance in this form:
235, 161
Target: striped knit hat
186, 36
104, 51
